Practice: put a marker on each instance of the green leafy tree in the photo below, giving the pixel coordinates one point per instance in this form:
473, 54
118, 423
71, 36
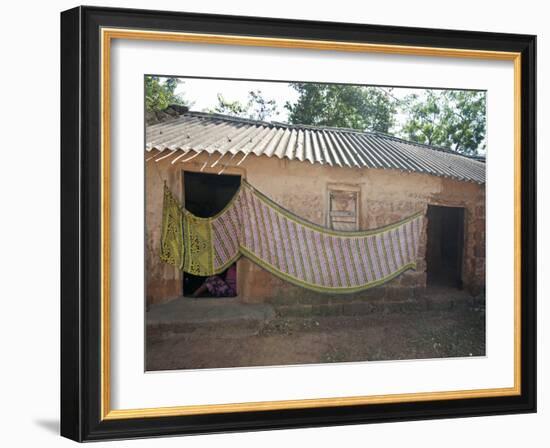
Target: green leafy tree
256, 108
227, 107
346, 106
160, 93
449, 118
259, 107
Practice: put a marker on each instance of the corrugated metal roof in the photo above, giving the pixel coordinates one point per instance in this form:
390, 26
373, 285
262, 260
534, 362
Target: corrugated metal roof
214, 133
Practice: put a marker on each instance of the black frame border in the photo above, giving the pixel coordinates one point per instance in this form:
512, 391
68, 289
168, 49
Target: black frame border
81, 223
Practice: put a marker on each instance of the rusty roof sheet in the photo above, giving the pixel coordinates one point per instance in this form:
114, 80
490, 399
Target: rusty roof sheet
214, 133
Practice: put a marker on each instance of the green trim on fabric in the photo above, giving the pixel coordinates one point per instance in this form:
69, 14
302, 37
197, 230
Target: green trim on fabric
322, 229
221, 212
324, 289
223, 267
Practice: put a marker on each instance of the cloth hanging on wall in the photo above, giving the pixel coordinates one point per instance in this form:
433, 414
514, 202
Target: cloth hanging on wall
286, 245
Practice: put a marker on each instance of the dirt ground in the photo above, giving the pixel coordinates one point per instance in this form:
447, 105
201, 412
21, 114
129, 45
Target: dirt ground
284, 341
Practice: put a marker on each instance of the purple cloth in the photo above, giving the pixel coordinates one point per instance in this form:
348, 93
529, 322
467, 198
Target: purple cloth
226, 286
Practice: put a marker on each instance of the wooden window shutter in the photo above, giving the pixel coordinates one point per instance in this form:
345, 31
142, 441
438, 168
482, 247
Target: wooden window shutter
343, 210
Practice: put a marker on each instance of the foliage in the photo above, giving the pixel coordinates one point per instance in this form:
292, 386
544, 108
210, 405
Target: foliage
346, 106
160, 94
256, 108
450, 118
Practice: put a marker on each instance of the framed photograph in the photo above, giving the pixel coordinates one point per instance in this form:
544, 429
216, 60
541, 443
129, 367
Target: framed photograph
270, 223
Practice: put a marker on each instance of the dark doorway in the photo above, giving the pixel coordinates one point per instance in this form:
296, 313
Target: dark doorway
205, 195
445, 246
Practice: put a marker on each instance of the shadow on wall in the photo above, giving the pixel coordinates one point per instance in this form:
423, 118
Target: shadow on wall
49, 425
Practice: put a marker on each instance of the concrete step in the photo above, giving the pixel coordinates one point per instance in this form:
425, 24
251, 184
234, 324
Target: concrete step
214, 315
188, 315
351, 305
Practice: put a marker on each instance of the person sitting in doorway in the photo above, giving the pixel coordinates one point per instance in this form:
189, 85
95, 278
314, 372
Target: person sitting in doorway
221, 285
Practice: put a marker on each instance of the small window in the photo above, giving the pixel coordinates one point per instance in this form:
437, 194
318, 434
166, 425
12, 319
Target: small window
343, 213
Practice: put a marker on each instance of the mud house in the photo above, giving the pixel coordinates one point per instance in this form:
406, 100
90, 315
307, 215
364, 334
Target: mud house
338, 178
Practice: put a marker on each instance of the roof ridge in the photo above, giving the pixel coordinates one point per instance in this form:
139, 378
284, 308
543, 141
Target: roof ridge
425, 145
225, 117
276, 124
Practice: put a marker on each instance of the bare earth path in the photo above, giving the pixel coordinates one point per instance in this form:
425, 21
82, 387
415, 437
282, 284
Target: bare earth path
283, 341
